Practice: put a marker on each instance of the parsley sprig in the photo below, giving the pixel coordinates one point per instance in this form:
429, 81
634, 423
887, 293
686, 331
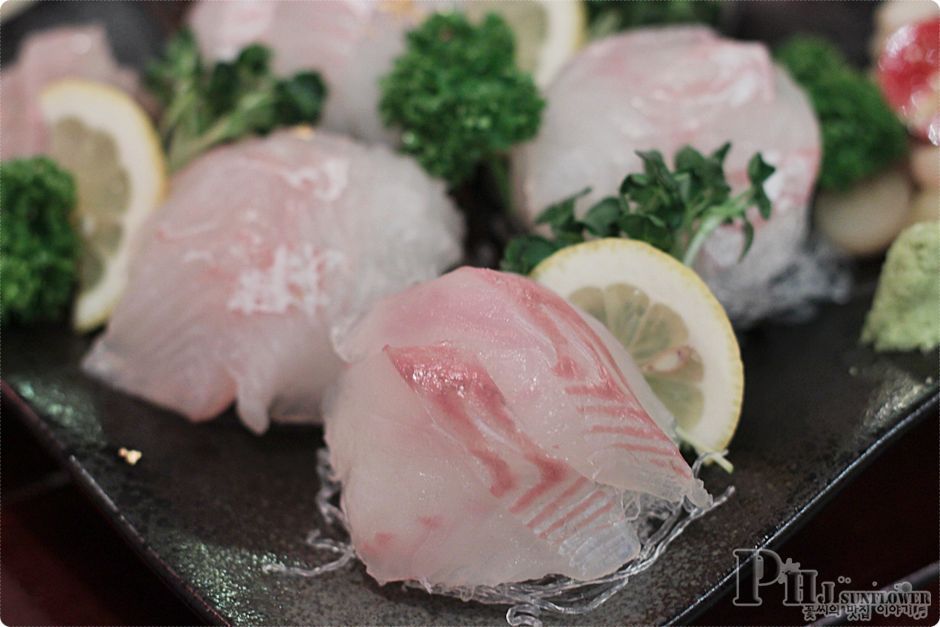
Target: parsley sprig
674, 210
458, 97
39, 241
206, 105
861, 135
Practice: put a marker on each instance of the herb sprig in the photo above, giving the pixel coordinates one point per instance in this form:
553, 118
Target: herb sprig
39, 246
458, 97
674, 210
205, 106
861, 135
610, 16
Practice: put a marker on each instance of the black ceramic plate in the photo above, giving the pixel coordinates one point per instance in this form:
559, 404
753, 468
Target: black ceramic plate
209, 505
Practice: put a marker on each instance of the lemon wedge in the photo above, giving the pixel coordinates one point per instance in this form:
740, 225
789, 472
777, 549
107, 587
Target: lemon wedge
100, 135
548, 32
671, 324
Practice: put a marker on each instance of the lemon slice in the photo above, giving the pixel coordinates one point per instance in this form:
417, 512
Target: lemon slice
671, 324
548, 32
100, 135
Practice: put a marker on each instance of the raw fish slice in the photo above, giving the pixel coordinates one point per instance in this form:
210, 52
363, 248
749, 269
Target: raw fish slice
555, 502
663, 89
508, 319
262, 250
438, 524
500, 408
444, 488
47, 56
351, 43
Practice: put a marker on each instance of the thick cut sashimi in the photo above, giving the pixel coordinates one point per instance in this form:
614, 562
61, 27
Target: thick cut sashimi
485, 433
47, 56
663, 89
262, 251
350, 42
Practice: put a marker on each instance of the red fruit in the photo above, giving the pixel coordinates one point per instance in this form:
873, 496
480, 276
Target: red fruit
909, 75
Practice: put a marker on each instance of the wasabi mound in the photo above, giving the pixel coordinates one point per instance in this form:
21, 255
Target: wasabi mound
906, 312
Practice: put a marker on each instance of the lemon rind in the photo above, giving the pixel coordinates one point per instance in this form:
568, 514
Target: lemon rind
721, 432
94, 307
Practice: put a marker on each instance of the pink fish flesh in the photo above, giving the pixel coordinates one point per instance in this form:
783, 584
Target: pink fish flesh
351, 43
262, 251
47, 56
664, 88
486, 431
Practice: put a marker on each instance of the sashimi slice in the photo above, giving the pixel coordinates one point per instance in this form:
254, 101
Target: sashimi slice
484, 432
350, 42
262, 251
47, 56
665, 88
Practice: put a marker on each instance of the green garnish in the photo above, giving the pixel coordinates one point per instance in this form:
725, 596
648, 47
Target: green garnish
610, 16
457, 96
204, 107
38, 244
673, 210
903, 316
861, 135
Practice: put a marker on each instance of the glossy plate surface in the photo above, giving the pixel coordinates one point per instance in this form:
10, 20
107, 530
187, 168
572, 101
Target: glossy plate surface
208, 505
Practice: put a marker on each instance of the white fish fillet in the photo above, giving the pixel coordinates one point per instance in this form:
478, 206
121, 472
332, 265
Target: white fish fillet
485, 432
352, 43
262, 250
47, 56
663, 89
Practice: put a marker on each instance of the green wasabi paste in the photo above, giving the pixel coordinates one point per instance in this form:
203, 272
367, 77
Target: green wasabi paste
906, 312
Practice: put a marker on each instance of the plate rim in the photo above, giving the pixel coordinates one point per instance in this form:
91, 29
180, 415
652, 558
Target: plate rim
89, 486
917, 411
